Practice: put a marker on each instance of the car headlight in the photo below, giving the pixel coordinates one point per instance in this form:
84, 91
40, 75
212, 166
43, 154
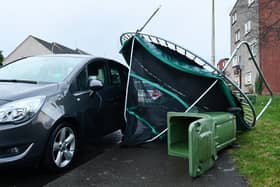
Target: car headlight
20, 110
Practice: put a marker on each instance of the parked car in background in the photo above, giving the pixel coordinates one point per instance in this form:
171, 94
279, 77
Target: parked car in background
49, 103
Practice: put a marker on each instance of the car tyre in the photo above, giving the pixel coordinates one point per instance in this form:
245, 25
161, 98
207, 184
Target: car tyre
61, 148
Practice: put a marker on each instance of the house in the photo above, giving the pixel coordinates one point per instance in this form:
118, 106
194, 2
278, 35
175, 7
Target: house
32, 46
245, 27
258, 23
221, 64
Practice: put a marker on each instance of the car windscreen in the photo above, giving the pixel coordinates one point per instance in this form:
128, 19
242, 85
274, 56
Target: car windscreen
40, 69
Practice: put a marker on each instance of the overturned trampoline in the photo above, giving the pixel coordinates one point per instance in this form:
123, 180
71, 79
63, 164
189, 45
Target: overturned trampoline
170, 89
165, 77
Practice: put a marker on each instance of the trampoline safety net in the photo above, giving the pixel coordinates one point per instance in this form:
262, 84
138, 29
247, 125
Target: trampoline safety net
162, 80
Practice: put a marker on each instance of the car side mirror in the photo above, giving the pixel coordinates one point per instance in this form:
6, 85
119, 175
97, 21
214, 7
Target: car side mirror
95, 84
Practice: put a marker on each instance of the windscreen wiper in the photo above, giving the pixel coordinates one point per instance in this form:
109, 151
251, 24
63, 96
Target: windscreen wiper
20, 81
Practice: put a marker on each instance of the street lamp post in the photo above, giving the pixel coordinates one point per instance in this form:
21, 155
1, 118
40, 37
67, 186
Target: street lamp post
213, 34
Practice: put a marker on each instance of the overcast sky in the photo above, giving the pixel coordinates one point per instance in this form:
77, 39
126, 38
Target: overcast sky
95, 26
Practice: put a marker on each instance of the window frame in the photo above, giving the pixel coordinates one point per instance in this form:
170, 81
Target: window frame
234, 18
235, 61
253, 47
248, 27
250, 2
248, 78
121, 72
114, 68
105, 68
74, 82
236, 80
237, 36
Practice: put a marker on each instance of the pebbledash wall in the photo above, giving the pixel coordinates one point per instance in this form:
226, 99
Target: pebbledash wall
258, 22
244, 27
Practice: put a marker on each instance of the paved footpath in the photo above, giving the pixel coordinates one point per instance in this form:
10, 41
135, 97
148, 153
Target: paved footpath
148, 165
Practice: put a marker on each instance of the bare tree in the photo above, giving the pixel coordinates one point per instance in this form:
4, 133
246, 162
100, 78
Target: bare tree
265, 14
270, 21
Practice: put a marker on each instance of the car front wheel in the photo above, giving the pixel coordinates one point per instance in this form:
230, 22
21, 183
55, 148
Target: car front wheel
62, 147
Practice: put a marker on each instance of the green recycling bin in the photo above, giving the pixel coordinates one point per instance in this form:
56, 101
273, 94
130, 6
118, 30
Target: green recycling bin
198, 137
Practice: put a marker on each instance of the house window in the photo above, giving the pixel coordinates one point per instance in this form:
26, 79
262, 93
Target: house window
248, 27
233, 18
254, 48
248, 78
237, 36
250, 2
234, 61
237, 80
239, 60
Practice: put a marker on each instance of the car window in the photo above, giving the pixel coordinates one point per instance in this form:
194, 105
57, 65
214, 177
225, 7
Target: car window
40, 69
115, 77
97, 71
81, 81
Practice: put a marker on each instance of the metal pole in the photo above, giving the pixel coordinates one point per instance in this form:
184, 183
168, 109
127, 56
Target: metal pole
131, 56
213, 34
202, 95
155, 12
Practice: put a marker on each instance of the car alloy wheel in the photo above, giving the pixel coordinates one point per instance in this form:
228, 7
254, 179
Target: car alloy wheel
64, 146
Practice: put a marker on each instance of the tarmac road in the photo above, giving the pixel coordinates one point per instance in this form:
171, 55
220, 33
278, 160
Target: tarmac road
104, 163
17, 177
148, 165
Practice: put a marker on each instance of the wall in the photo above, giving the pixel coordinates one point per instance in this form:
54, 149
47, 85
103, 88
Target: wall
270, 42
245, 12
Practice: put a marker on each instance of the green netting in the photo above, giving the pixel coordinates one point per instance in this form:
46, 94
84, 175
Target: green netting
162, 81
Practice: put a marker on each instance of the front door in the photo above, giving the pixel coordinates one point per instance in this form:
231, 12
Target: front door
101, 111
85, 104
111, 98
116, 97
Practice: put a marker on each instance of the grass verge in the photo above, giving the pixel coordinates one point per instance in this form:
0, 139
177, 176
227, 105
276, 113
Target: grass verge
258, 157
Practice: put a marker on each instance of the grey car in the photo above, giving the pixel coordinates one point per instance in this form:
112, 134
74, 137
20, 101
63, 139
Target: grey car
49, 104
